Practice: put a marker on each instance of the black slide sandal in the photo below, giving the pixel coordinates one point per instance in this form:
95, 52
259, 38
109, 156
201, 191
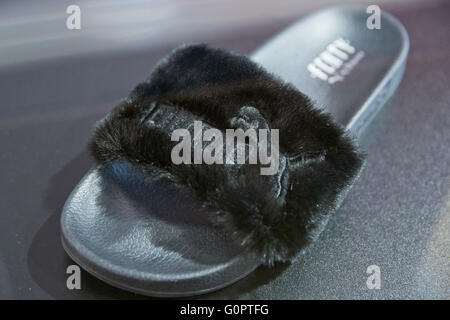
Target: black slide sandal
163, 244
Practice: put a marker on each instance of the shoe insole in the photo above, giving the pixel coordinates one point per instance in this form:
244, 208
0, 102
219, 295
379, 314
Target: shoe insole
152, 239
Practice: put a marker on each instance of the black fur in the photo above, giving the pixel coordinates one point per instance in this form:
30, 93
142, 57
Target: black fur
214, 85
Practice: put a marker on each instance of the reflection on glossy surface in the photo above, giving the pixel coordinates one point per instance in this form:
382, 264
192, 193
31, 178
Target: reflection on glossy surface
35, 30
148, 236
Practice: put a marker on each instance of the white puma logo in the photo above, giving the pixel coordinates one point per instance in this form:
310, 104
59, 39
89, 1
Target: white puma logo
333, 64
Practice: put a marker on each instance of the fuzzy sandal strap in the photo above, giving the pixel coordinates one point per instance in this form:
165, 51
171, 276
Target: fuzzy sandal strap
276, 215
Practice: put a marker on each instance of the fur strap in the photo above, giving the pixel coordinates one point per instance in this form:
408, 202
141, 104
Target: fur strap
276, 215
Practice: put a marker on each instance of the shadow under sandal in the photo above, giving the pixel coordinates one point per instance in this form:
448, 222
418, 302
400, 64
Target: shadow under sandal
170, 211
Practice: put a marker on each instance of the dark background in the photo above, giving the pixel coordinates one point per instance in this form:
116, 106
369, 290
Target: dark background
55, 83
